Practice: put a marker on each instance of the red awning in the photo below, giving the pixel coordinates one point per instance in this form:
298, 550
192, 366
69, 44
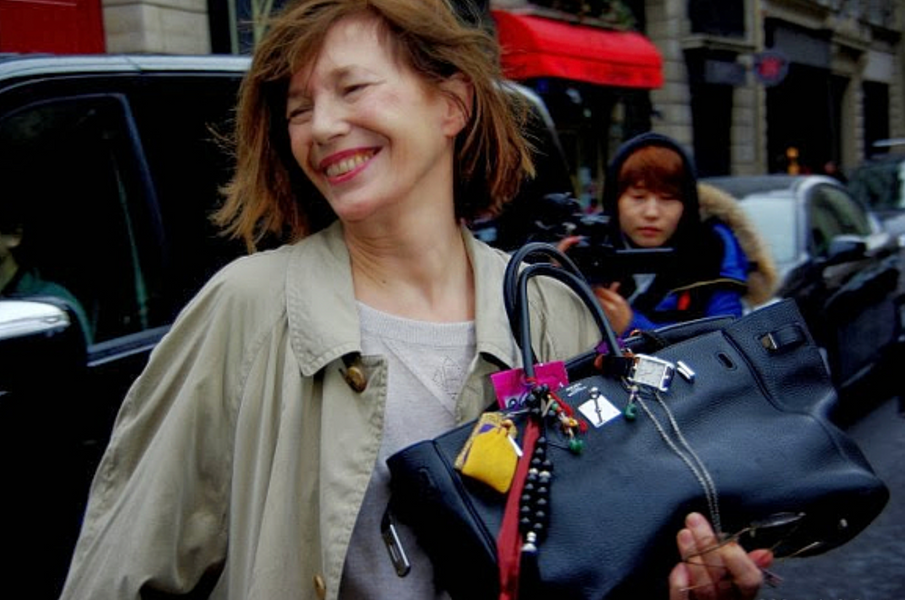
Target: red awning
538, 47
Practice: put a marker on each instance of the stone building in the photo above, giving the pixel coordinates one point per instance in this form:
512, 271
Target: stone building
741, 83
744, 82
825, 77
160, 26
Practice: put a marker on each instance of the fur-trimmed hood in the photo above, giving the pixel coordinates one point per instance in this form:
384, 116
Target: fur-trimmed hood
714, 203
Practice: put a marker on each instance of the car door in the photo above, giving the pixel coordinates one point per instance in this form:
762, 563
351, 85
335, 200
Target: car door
112, 179
71, 173
860, 273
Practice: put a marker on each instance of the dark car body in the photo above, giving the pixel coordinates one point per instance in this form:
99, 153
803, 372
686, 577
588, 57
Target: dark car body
839, 264
115, 165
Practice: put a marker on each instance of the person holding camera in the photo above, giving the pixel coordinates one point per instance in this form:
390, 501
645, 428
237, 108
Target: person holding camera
718, 261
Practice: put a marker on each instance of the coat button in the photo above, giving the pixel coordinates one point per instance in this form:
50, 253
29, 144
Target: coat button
355, 377
320, 586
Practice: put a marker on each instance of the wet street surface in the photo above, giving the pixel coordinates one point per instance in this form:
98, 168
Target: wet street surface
871, 566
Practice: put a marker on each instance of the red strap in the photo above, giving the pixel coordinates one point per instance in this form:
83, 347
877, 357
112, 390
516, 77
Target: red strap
509, 540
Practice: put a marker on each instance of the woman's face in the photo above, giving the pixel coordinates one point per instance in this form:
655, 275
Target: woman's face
648, 218
369, 133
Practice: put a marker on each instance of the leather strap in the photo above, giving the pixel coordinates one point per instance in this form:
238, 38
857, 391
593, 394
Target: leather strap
784, 338
509, 539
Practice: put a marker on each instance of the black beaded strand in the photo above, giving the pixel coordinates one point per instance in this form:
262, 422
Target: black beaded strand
534, 503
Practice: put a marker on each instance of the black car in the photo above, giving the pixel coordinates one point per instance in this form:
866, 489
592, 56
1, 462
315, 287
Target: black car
839, 264
110, 167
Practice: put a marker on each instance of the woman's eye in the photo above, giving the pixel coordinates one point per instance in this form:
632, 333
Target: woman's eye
353, 88
298, 114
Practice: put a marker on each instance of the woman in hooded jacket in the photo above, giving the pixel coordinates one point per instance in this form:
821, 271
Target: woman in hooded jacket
718, 262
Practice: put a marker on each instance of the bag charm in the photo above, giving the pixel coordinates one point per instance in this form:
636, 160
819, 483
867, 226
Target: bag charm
526, 517
491, 453
512, 388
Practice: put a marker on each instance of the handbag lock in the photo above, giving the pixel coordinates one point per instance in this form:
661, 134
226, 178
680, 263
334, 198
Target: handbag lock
652, 371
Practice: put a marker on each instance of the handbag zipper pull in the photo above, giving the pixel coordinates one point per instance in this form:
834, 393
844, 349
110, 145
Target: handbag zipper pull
630, 412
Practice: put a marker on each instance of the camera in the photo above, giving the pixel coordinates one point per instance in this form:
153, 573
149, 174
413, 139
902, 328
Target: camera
601, 258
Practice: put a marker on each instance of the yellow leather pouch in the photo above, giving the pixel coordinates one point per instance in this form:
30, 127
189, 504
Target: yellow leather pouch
491, 454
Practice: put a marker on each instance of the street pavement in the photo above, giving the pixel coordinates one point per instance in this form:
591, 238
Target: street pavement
871, 566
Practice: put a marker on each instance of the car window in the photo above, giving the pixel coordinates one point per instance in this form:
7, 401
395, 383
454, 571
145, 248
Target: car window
188, 164
70, 176
774, 218
880, 184
118, 181
831, 213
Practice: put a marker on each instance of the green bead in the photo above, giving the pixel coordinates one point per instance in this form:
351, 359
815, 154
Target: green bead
631, 411
576, 445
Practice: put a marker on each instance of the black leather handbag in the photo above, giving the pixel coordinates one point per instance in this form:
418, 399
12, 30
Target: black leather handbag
727, 417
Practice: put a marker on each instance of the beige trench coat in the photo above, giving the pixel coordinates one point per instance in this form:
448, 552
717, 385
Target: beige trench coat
243, 453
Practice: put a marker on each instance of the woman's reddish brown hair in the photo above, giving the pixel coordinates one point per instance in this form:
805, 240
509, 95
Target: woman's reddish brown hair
658, 168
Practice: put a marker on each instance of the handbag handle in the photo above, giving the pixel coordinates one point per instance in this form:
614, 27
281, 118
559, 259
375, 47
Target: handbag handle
510, 278
565, 274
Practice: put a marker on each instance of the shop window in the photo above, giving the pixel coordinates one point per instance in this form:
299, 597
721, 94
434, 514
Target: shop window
711, 110
876, 114
725, 18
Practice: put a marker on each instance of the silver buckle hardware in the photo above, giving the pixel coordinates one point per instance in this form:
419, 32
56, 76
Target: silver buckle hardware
652, 371
394, 544
685, 371
783, 339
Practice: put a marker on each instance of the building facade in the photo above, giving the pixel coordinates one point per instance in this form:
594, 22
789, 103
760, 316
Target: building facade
743, 84
769, 79
756, 86
594, 70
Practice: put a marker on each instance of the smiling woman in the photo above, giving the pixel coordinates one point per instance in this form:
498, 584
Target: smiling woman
248, 459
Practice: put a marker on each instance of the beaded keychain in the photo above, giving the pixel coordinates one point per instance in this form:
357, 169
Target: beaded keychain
534, 503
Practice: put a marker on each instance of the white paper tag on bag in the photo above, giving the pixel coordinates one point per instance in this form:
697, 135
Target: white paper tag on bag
598, 410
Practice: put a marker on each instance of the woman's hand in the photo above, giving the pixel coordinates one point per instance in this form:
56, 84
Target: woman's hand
712, 570
567, 242
616, 308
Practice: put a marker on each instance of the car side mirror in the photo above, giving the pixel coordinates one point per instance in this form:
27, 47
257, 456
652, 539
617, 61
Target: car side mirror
41, 343
845, 248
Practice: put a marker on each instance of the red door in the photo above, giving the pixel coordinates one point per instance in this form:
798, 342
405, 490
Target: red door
59, 26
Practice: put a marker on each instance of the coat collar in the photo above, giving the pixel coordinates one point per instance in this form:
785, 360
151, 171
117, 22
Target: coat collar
323, 316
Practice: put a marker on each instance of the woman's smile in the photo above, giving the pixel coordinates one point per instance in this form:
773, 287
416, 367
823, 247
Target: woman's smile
344, 165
